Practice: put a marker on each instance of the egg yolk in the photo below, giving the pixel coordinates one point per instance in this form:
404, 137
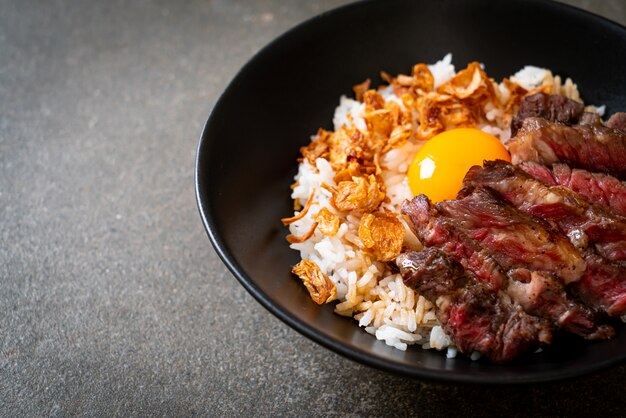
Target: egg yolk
440, 165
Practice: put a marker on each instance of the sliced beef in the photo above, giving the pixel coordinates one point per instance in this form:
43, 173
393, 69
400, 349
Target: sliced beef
486, 235
514, 238
547, 106
603, 285
542, 294
617, 121
539, 172
594, 148
437, 231
470, 312
615, 250
584, 223
598, 188
432, 273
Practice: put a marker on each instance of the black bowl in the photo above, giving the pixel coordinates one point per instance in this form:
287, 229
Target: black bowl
247, 154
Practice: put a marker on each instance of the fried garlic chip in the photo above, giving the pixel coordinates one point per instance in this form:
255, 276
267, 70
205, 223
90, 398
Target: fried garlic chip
398, 136
421, 81
439, 112
388, 125
430, 109
424, 79
360, 89
320, 287
361, 194
327, 222
379, 123
373, 101
345, 145
317, 148
353, 169
470, 83
382, 235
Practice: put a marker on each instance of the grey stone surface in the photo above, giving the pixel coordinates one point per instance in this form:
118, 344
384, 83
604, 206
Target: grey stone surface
112, 301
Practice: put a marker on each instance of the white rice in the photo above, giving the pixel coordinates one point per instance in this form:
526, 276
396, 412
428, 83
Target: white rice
368, 290
442, 70
349, 107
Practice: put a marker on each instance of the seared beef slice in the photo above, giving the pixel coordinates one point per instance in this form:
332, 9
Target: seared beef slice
515, 239
434, 230
598, 188
603, 284
544, 295
584, 223
527, 249
470, 312
551, 107
592, 147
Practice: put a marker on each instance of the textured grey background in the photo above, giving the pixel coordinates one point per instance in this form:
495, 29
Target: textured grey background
112, 301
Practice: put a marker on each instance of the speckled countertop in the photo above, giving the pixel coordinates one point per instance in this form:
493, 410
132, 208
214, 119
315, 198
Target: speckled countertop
112, 301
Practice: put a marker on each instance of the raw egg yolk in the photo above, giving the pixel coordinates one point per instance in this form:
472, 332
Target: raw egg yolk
440, 165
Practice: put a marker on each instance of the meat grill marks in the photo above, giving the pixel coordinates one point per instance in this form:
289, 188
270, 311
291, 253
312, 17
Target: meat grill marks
584, 223
469, 311
481, 230
596, 148
598, 188
555, 108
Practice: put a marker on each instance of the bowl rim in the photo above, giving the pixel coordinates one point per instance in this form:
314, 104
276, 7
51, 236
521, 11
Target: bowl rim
354, 353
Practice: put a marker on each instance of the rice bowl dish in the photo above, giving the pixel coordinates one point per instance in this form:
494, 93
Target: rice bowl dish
338, 265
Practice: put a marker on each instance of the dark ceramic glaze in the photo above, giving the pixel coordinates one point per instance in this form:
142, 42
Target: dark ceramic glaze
247, 154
